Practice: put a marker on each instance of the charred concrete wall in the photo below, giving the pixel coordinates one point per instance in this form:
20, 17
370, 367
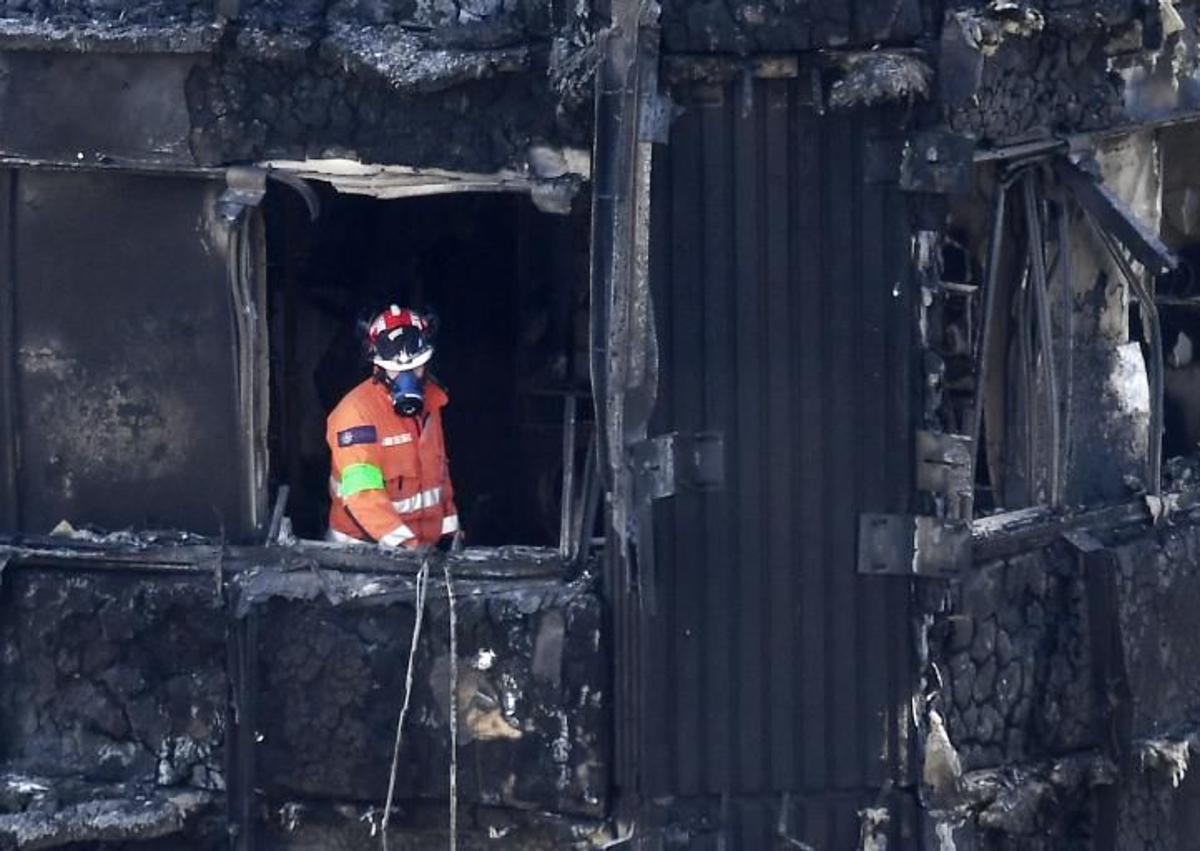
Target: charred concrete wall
1009, 72
137, 706
468, 85
530, 698
1015, 659
1158, 583
1084, 738
113, 694
114, 678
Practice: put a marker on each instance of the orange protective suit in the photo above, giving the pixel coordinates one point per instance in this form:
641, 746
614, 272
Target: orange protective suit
390, 478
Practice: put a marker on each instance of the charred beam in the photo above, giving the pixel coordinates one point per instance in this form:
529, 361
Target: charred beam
1015, 532
481, 563
1114, 216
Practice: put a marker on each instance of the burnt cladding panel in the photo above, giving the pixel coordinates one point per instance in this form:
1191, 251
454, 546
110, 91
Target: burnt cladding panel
90, 107
743, 26
786, 316
125, 383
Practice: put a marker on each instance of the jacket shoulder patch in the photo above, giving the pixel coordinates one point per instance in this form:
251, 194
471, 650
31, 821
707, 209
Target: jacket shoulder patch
357, 434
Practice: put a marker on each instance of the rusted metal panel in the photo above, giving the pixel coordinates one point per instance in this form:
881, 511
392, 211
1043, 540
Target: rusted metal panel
125, 376
786, 318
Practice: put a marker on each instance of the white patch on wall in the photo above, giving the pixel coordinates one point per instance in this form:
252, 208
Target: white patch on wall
1128, 381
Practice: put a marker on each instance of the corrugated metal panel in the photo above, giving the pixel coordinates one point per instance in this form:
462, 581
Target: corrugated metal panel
786, 318
123, 394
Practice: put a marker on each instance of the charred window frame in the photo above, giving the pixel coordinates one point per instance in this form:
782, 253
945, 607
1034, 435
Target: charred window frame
1000, 331
560, 411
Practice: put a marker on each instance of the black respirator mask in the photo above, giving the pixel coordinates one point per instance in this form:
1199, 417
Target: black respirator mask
407, 392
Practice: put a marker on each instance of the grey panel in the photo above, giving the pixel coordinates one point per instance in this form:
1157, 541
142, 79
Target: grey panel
126, 412
92, 108
786, 316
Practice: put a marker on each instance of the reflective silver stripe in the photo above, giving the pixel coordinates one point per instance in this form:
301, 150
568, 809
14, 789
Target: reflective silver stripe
397, 536
397, 439
418, 501
450, 524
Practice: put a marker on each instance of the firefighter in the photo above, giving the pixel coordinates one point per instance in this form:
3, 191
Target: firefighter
390, 478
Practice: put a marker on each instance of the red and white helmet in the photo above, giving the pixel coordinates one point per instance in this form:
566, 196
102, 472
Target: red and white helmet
399, 339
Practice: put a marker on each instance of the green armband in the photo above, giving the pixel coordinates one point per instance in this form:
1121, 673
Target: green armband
360, 477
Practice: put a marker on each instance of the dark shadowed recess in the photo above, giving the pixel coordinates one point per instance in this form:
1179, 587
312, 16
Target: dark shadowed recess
508, 286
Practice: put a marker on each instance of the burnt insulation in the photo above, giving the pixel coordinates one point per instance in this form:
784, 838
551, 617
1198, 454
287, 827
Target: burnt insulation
140, 706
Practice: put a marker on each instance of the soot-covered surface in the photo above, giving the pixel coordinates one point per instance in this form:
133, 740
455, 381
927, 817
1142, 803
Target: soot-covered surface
530, 697
245, 108
1014, 655
469, 85
1012, 71
113, 678
113, 707
150, 707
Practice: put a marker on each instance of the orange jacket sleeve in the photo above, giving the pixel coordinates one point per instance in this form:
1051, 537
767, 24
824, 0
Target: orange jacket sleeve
358, 471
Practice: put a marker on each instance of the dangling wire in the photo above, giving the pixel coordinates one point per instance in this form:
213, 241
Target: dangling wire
453, 707
422, 583
1039, 281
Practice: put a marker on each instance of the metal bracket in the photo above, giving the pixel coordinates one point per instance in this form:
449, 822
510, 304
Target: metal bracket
246, 186
939, 163
669, 463
655, 116
1083, 541
912, 545
932, 162
945, 463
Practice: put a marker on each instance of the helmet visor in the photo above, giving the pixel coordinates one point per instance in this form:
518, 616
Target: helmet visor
402, 349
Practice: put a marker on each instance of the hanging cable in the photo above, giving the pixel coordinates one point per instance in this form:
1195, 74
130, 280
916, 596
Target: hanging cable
422, 582
1028, 386
1041, 303
453, 706
1066, 274
983, 354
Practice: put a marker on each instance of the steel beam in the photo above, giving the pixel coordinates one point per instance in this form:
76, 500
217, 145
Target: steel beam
1114, 216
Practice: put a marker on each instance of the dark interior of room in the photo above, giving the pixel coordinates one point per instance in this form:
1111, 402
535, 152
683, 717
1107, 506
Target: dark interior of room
508, 286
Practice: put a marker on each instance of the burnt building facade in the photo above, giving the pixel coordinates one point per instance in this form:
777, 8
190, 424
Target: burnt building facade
824, 421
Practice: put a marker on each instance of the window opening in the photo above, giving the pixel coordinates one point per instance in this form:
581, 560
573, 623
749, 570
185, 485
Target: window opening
509, 287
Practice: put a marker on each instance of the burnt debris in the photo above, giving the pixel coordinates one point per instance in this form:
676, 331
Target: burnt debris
140, 705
